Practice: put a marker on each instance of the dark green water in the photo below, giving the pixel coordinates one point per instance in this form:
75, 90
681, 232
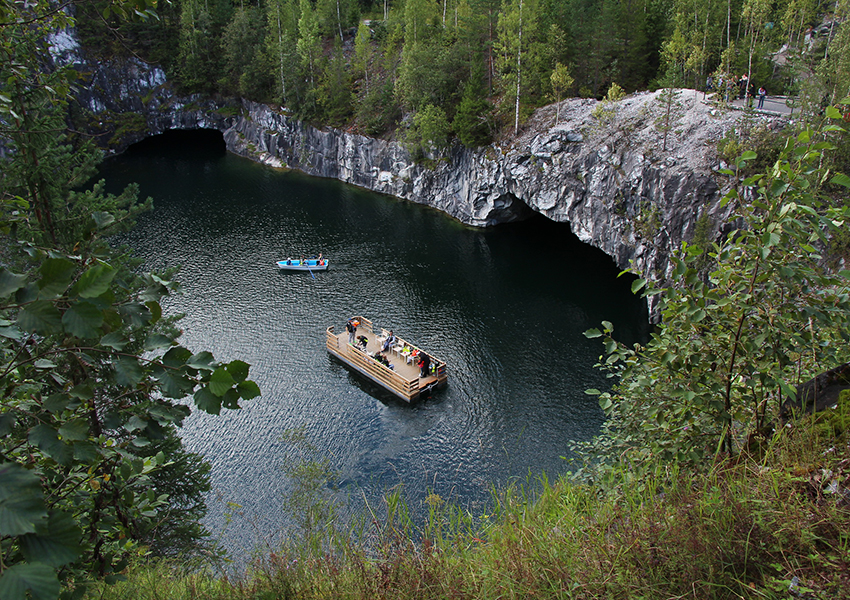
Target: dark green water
505, 308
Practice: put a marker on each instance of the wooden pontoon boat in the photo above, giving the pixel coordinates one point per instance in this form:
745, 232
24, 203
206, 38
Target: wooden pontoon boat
402, 376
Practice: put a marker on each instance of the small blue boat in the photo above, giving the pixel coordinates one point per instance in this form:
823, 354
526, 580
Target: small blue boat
311, 264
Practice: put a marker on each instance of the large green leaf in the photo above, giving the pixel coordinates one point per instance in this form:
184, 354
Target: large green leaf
76, 430
128, 371
56, 403
248, 389
47, 439
56, 544
238, 370
10, 282
115, 340
202, 361
37, 578
83, 320
157, 341
21, 502
172, 384
7, 421
231, 399
11, 333
176, 357
135, 314
841, 179
56, 276
207, 401
95, 281
221, 381
40, 317
86, 452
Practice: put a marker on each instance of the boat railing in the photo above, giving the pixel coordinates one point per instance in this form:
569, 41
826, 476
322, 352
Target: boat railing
331, 340
365, 324
389, 377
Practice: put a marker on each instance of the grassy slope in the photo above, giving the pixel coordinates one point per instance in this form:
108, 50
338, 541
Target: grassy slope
754, 529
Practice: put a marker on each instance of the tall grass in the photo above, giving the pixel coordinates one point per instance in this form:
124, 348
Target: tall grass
775, 524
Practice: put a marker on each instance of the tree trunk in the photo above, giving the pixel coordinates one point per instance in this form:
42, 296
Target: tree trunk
518, 70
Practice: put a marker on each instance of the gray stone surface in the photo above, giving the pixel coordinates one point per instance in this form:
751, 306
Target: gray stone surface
613, 178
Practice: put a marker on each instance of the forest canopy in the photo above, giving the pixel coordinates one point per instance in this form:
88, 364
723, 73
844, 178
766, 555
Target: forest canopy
482, 66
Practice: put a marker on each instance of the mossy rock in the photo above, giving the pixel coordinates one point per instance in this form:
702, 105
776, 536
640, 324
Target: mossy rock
833, 422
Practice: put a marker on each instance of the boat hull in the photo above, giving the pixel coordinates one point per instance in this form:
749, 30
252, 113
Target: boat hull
310, 265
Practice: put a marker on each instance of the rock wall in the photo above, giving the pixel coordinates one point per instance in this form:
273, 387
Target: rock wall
607, 170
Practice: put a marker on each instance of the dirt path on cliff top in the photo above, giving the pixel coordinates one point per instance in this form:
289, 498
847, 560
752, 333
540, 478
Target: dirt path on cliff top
696, 126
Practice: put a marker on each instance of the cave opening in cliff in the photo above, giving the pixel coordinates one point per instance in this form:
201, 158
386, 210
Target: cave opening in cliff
201, 143
545, 237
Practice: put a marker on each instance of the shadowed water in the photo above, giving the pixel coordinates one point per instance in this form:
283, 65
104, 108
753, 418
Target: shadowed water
505, 308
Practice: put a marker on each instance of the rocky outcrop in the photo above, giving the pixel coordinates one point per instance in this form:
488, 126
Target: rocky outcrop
606, 170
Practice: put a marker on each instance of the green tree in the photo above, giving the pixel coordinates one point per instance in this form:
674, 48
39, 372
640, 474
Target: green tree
379, 111
517, 31
199, 47
281, 40
430, 131
334, 92
471, 123
736, 337
92, 373
429, 74
246, 71
309, 42
561, 82
420, 18
363, 50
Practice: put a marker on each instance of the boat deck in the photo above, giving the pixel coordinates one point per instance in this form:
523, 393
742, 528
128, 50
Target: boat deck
403, 378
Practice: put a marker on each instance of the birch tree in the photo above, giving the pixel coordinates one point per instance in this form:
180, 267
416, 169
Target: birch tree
309, 42
281, 41
516, 30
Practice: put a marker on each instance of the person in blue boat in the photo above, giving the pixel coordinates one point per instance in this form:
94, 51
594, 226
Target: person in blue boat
289, 260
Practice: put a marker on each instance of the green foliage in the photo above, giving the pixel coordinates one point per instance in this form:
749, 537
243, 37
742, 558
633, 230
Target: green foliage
517, 53
606, 110
200, 65
747, 530
246, 67
379, 111
335, 96
472, 120
671, 112
93, 377
282, 33
732, 345
428, 74
429, 133
561, 81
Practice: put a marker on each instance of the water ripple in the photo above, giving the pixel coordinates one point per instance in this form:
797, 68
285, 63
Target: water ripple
505, 308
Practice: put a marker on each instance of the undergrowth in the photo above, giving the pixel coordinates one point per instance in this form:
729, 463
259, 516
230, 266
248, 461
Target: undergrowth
775, 524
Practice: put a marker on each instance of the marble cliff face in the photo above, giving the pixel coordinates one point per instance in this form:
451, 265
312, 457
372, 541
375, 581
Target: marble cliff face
606, 169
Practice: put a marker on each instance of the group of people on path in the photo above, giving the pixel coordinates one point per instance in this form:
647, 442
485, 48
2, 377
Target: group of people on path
423, 360
731, 87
